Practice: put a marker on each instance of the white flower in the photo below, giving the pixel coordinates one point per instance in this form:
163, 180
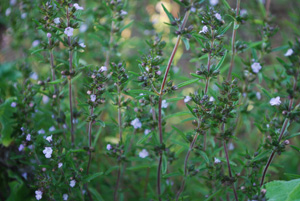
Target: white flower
49, 138
213, 2
93, 97
204, 30
123, 12
65, 196
21, 147
38, 194
12, 2
83, 28
258, 95
13, 104
243, 12
187, 99
28, 137
77, 6
218, 16
275, 101
147, 131
72, 183
45, 99
60, 165
217, 160
143, 154
56, 20
82, 45
48, 152
108, 147
231, 146
164, 104
289, 53
7, 12
211, 99
102, 69
24, 175
42, 131
193, 9
35, 43
52, 128
256, 67
147, 68
69, 31
24, 15
136, 123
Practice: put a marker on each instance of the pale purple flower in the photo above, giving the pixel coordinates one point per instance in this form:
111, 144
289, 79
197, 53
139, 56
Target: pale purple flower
77, 6
89, 92
231, 146
204, 30
49, 35
82, 45
42, 131
243, 12
24, 175
69, 31
164, 104
72, 183
49, 138
56, 20
45, 99
158, 72
289, 53
103, 68
23, 15
83, 28
108, 147
193, 9
187, 99
217, 160
38, 194
52, 128
256, 67
258, 95
136, 123
93, 97
211, 99
48, 152
21, 147
13, 104
35, 43
12, 2
7, 12
213, 2
218, 16
275, 101
60, 165
147, 131
65, 196
28, 137
143, 154
123, 12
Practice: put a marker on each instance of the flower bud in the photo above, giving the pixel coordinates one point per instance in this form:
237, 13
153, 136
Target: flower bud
286, 142
49, 35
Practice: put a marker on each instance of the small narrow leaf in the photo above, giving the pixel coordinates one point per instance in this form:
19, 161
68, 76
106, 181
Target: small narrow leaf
170, 16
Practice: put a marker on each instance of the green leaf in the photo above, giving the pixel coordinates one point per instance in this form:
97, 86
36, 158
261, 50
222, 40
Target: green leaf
187, 83
172, 175
91, 177
191, 110
37, 51
221, 61
138, 167
126, 26
225, 29
143, 139
214, 194
265, 91
139, 91
283, 190
204, 156
198, 76
186, 43
56, 81
164, 164
293, 135
261, 155
170, 16
226, 4
180, 133
174, 99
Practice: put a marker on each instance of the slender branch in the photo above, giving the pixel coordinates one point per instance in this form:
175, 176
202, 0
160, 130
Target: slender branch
118, 183
233, 50
285, 123
268, 4
90, 139
111, 39
52, 66
70, 82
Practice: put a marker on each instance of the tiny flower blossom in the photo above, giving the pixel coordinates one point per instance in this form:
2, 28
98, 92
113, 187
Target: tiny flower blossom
164, 104
275, 101
286, 142
38, 194
289, 53
123, 12
243, 12
204, 30
35, 43
13, 104
49, 35
143, 154
60, 165
256, 67
231, 146
52, 128
108, 147
42, 131
24, 175
49, 138
21, 147
48, 152
147, 131
77, 6
24, 15
83, 28
218, 16
28, 137
187, 99
12, 2
93, 97
217, 160
136, 123
56, 20
211, 99
82, 45
7, 12
103, 68
72, 183
258, 95
213, 2
193, 9
65, 196
69, 31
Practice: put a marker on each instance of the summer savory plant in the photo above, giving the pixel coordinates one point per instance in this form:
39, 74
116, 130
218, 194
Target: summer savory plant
149, 100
